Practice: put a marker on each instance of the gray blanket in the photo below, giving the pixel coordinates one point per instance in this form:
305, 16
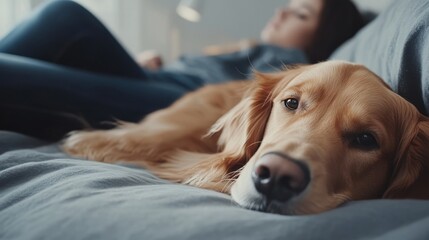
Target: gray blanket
45, 194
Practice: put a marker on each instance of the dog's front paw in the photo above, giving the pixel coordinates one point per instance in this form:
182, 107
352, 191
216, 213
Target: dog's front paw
93, 145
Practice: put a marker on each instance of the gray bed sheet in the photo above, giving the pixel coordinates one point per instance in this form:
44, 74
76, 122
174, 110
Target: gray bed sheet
45, 194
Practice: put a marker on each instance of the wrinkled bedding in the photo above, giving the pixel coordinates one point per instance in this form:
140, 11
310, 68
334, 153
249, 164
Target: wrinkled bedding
45, 194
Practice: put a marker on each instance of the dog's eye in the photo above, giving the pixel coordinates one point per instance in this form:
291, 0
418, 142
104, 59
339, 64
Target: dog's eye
364, 141
291, 103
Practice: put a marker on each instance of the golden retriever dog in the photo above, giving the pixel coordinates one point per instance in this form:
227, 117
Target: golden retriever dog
300, 141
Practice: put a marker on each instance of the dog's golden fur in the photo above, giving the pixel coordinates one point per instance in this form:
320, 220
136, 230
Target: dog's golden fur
212, 137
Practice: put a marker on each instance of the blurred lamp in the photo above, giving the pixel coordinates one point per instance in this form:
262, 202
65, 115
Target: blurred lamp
190, 10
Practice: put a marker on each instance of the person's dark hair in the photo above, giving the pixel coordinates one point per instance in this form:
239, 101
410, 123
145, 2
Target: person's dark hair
339, 21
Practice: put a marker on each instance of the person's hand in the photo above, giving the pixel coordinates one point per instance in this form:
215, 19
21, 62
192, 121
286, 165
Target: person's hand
150, 60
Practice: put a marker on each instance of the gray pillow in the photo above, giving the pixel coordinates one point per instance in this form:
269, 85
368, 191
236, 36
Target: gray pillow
396, 47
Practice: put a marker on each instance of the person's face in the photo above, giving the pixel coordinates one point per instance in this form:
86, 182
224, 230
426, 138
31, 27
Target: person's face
295, 25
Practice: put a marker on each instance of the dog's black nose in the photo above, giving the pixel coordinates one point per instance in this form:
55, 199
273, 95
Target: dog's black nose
279, 177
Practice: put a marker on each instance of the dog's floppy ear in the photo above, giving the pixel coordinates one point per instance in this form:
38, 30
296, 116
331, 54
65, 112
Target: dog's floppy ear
411, 171
241, 131
242, 128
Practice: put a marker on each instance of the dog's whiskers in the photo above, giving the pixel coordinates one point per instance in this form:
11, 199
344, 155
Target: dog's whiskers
230, 178
342, 197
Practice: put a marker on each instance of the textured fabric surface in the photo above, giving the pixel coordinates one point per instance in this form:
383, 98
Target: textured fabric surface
44, 194
396, 47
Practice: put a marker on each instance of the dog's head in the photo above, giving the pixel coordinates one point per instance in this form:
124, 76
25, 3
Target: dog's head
314, 137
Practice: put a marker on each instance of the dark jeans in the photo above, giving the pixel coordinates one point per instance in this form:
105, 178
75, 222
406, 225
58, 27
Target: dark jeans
62, 70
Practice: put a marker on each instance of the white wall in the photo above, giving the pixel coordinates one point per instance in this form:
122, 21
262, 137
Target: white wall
374, 5
226, 21
154, 24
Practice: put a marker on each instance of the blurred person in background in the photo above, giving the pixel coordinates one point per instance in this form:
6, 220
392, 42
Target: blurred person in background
62, 70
